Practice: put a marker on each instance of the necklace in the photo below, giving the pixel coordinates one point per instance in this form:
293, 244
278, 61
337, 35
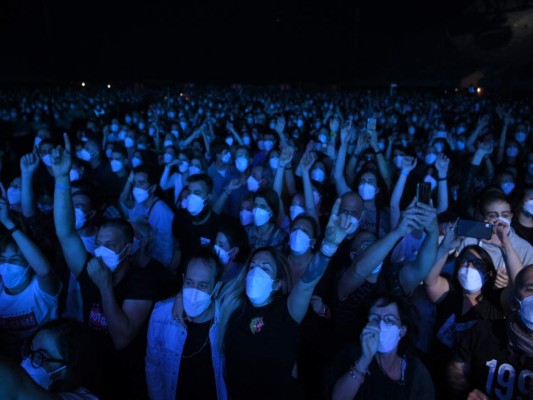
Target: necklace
200, 349
382, 368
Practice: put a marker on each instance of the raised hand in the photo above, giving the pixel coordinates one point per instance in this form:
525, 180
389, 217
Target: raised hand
280, 125
485, 149
442, 165
347, 133
361, 144
229, 126
334, 125
409, 163
369, 341
4, 209
451, 239
286, 156
234, 184
29, 163
502, 279
61, 159
317, 304
337, 226
307, 161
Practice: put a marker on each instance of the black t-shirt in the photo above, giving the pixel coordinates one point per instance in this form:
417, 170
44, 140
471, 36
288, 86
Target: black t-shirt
496, 370
524, 232
192, 237
196, 379
260, 348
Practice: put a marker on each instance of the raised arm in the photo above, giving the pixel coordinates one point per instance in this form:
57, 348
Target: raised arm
299, 298
233, 185
64, 219
340, 182
28, 165
47, 280
408, 164
383, 165
285, 159
280, 130
126, 200
442, 164
481, 125
231, 129
412, 274
503, 138
306, 164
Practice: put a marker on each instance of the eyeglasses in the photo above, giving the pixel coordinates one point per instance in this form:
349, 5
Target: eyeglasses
37, 357
495, 215
388, 319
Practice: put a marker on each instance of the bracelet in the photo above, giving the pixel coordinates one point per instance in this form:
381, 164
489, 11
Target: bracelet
327, 251
442, 179
404, 172
13, 229
355, 372
63, 187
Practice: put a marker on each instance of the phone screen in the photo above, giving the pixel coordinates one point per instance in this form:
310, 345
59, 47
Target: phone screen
423, 192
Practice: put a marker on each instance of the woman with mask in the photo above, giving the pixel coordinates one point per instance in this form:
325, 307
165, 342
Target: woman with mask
463, 300
265, 231
59, 361
175, 174
231, 247
377, 219
380, 365
260, 318
29, 289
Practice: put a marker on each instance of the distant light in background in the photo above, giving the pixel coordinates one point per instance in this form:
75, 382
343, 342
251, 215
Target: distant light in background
109, 86
479, 90
83, 84
181, 94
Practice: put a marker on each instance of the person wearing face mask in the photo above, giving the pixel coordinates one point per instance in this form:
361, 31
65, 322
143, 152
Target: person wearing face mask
198, 226
29, 288
523, 219
143, 202
495, 350
260, 319
118, 162
377, 219
219, 170
14, 195
231, 248
264, 231
194, 352
59, 362
381, 364
462, 301
117, 297
268, 142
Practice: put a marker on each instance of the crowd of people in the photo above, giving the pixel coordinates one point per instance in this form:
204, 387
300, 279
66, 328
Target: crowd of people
265, 243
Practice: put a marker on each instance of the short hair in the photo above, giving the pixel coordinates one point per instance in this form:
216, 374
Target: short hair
218, 148
237, 237
272, 199
119, 148
519, 281
122, 225
311, 221
209, 258
488, 270
150, 172
492, 196
202, 178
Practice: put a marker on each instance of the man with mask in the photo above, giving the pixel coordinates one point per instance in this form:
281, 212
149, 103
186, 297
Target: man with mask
199, 226
495, 359
117, 297
220, 169
141, 201
183, 352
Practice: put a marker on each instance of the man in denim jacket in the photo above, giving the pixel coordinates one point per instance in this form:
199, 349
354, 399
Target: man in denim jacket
183, 352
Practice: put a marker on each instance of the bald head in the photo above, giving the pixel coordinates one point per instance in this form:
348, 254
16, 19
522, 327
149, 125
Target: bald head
351, 204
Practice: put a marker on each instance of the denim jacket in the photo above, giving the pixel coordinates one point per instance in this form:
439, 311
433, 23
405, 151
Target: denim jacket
166, 338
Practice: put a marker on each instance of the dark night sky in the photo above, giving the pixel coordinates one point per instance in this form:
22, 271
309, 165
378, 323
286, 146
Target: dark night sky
228, 40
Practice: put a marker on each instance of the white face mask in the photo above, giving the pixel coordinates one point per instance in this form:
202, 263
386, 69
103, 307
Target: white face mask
269, 145
246, 140
355, 225
116, 165
511, 151
261, 217
526, 311
367, 191
47, 160
318, 175
74, 175
229, 141
195, 302
520, 137
84, 155
13, 195
168, 143
135, 162
470, 279
258, 286
167, 158
223, 255
183, 167
39, 375
507, 187
430, 158
389, 337
296, 210
461, 146
253, 184
129, 143
274, 162
195, 204
194, 170
528, 206
14, 275
81, 219
246, 217
109, 257
397, 160
140, 195
226, 158
241, 164
299, 242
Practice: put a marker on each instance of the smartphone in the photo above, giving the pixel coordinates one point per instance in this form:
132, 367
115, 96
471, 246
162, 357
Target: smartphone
371, 124
423, 192
474, 229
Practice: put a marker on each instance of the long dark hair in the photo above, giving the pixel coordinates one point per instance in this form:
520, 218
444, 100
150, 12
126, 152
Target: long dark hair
488, 271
